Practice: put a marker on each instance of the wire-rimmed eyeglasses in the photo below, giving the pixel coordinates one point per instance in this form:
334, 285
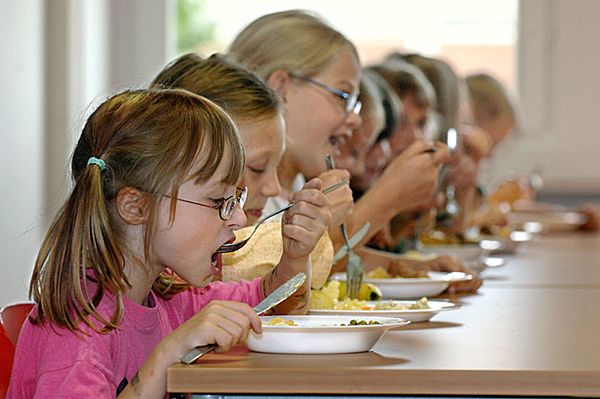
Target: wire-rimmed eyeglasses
226, 206
351, 103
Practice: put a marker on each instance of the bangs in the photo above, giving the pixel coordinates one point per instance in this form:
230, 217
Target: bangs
220, 143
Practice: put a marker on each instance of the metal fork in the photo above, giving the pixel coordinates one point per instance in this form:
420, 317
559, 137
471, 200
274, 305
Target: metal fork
237, 245
354, 268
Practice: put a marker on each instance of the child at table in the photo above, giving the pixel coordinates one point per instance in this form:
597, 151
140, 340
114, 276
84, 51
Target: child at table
155, 175
258, 113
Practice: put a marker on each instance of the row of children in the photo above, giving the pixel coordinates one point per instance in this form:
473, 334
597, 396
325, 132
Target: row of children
122, 283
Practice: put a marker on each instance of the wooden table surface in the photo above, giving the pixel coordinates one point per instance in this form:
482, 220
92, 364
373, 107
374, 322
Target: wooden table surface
531, 330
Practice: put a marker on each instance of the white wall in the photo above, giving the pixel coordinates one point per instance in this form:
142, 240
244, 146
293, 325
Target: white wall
21, 135
560, 91
56, 61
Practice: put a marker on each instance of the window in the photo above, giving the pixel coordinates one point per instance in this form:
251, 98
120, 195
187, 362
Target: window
472, 35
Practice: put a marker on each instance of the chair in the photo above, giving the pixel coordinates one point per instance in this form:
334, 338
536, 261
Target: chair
12, 318
7, 352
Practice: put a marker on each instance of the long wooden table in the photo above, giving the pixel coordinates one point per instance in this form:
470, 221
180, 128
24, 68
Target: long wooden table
532, 330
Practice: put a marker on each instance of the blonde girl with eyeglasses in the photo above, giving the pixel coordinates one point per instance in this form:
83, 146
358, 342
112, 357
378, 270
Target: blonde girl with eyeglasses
316, 71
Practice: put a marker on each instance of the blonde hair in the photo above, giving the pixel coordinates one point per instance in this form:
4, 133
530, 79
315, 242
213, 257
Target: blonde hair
239, 91
489, 99
152, 140
295, 41
445, 82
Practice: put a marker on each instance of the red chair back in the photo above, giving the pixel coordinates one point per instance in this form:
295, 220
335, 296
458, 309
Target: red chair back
7, 352
12, 318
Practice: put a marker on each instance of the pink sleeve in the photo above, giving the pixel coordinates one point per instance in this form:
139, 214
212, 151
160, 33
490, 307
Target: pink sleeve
249, 292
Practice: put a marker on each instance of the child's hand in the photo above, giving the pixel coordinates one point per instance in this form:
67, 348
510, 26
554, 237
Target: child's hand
413, 174
225, 323
340, 200
305, 222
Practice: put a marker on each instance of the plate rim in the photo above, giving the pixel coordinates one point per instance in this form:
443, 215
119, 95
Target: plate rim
397, 322
451, 306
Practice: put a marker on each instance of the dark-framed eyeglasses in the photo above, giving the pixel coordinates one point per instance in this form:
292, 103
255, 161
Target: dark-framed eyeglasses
226, 206
351, 103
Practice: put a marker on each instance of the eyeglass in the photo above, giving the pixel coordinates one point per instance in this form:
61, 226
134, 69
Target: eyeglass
226, 206
351, 103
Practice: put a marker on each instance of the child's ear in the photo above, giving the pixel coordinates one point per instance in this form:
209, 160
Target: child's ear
279, 81
132, 205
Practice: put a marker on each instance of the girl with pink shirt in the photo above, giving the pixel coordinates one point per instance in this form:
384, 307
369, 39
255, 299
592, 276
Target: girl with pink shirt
122, 280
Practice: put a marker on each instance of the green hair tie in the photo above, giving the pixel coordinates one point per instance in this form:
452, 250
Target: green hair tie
97, 161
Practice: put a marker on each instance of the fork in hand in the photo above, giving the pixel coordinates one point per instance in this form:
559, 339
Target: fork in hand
237, 245
354, 268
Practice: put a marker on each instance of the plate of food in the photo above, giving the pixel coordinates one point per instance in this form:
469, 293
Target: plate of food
466, 252
413, 311
320, 334
408, 288
485, 262
441, 242
549, 220
511, 242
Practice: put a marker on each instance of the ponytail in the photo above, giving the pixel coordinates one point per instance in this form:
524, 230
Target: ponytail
82, 239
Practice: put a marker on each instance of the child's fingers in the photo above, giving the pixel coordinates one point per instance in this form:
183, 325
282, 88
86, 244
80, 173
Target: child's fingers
239, 313
250, 318
314, 183
304, 208
228, 335
312, 196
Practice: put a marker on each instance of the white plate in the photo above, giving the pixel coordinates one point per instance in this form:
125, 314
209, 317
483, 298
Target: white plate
409, 288
512, 243
550, 221
320, 334
412, 315
467, 252
480, 265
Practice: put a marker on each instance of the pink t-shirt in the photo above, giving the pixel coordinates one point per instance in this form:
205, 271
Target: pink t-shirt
53, 362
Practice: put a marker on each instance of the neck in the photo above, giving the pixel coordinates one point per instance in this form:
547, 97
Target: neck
141, 276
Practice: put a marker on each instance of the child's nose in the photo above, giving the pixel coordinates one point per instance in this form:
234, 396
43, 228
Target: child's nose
238, 219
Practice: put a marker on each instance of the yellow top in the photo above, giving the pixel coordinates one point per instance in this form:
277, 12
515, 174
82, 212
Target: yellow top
263, 252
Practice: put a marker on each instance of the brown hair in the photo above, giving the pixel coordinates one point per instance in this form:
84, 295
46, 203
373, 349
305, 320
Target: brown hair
295, 41
407, 80
445, 82
392, 106
238, 90
148, 139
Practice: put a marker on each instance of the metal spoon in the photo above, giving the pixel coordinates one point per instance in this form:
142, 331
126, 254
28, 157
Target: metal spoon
237, 245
